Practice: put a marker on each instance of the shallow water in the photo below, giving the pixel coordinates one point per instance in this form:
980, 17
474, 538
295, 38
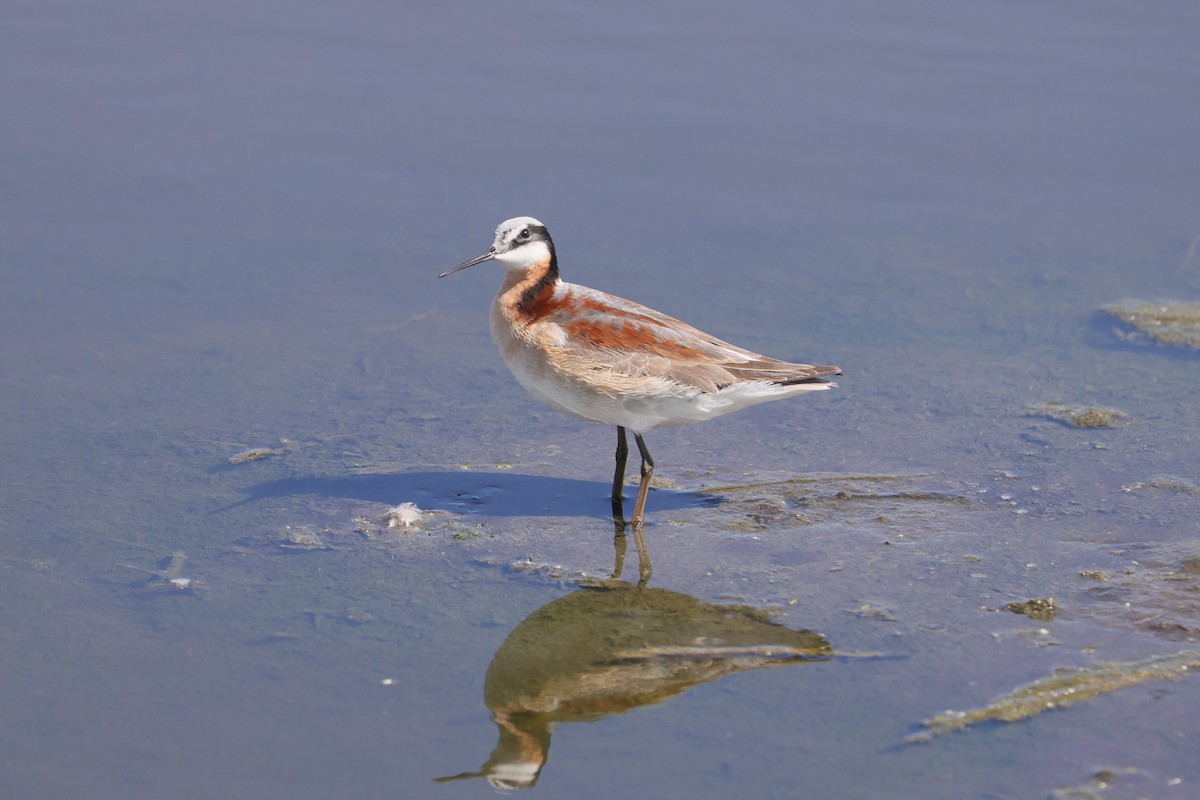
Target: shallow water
221, 230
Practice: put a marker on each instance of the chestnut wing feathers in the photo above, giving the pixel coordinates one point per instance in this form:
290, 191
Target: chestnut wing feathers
639, 342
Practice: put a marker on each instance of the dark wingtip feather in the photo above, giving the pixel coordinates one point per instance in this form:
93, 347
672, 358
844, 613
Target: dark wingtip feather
817, 375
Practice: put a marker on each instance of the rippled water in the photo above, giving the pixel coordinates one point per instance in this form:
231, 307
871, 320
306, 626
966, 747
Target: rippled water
220, 231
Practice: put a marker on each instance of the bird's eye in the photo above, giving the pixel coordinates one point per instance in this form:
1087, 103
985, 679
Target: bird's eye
524, 235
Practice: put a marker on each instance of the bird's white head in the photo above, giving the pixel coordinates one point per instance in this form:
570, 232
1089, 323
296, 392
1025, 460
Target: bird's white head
520, 243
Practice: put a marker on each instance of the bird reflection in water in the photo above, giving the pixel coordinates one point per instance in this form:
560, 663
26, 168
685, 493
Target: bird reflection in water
621, 542
611, 648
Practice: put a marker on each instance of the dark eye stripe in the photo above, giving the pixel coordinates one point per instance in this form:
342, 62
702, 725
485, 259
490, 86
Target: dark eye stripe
532, 233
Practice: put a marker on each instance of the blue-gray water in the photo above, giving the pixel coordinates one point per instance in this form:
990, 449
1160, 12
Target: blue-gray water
220, 228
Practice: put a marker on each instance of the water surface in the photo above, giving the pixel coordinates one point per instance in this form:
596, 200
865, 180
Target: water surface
221, 228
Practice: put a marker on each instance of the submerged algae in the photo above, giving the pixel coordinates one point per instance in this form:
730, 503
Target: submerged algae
1043, 609
1064, 688
1170, 322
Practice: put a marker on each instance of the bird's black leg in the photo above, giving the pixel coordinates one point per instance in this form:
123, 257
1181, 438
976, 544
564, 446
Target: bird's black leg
644, 487
619, 475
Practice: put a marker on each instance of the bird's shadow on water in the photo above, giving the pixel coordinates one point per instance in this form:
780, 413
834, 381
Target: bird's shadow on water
497, 494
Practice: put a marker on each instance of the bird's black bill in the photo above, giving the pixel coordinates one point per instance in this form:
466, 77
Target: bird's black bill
488, 256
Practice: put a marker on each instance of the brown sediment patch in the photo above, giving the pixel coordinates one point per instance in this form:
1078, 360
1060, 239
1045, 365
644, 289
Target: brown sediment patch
1158, 592
1081, 416
854, 499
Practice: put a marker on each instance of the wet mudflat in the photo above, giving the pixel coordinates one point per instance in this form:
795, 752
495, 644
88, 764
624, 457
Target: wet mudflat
229, 367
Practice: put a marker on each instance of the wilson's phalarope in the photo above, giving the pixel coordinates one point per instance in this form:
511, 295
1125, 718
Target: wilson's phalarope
610, 360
